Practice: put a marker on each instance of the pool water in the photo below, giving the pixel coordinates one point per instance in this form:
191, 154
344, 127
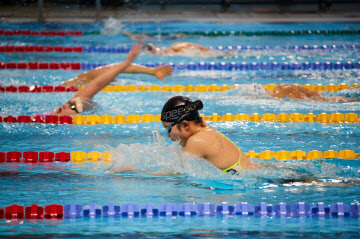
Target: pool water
164, 173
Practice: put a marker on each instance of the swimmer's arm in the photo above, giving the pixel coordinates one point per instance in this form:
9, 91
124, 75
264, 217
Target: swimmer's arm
159, 72
131, 36
86, 77
104, 79
111, 171
199, 46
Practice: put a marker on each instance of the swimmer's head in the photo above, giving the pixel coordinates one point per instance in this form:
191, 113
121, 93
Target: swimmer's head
151, 48
72, 107
180, 108
177, 116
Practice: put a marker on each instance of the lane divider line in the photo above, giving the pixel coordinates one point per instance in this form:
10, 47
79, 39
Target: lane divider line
334, 118
130, 210
125, 49
95, 156
176, 88
192, 66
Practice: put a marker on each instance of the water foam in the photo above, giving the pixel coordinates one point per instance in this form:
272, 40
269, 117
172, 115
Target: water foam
160, 158
112, 27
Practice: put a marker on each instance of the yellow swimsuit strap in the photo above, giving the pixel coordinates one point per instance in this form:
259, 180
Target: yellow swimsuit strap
238, 162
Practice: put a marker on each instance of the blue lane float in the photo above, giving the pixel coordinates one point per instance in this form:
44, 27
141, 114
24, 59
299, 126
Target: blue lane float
130, 210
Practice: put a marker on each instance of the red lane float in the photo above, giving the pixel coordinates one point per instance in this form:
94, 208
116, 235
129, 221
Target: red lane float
11, 89
24, 119
49, 119
34, 157
54, 211
27, 32
13, 157
21, 65
62, 156
34, 212
14, 212
40, 48
9, 119
10, 65
33, 65
46, 157
24, 88
31, 156
2, 157
37, 89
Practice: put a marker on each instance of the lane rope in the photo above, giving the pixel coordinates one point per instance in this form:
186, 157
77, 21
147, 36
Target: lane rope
255, 33
95, 156
126, 49
192, 66
334, 118
62, 33
175, 88
130, 210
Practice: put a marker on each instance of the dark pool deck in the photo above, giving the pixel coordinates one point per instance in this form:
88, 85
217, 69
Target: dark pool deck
210, 12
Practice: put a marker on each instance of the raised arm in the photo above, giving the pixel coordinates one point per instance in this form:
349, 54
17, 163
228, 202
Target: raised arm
102, 80
84, 78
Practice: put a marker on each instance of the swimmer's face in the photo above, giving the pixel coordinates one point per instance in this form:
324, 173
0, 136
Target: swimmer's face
177, 133
151, 48
156, 51
63, 110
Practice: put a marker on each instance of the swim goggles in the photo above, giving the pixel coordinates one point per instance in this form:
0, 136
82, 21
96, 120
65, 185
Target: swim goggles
76, 105
73, 107
169, 127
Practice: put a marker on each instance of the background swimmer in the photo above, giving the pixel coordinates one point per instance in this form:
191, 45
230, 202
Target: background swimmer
299, 92
100, 77
183, 49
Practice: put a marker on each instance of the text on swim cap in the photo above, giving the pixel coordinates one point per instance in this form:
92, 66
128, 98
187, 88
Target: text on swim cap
174, 114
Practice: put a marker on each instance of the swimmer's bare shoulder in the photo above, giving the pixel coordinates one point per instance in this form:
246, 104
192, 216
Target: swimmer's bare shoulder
201, 144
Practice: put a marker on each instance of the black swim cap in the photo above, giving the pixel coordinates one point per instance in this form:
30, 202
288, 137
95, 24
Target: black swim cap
180, 108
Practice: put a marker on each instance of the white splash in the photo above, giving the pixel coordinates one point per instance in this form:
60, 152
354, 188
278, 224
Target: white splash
160, 159
112, 27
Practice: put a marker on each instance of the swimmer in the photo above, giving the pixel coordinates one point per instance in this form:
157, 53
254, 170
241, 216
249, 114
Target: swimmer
100, 77
299, 92
181, 119
183, 49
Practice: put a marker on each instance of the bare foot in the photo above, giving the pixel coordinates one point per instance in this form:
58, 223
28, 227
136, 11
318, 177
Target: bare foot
162, 71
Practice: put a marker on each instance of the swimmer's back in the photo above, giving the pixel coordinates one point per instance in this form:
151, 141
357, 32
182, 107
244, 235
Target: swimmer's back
182, 46
218, 149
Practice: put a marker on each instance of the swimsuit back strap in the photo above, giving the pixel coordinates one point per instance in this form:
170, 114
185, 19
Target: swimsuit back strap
237, 163
231, 167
